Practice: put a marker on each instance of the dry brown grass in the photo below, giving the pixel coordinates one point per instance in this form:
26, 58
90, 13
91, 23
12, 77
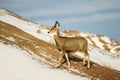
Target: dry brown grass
49, 52
71, 33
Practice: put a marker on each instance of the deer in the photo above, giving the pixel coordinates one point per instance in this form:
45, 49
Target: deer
65, 45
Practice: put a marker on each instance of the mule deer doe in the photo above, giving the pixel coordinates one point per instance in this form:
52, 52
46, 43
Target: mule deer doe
69, 44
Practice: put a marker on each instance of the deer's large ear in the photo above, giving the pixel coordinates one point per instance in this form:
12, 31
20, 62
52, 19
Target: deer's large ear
57, 24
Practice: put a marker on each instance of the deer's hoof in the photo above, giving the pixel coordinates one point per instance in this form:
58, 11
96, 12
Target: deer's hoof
58, 66
68, 66
85, 64
88, 66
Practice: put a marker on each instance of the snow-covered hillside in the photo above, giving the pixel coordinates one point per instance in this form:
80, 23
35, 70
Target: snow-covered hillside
102, 42
24, 24
103, 51
15, 64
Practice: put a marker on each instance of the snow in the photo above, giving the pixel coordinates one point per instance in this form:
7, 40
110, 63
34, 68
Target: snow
106, 39
16, 65
84, 34
102, 58
26, 26
97, 42
113, 50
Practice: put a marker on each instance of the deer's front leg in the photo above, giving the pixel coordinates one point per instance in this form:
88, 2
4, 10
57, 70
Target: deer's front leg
60, 59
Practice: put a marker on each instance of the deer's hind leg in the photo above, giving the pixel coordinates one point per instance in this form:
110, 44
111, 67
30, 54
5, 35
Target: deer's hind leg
86, 58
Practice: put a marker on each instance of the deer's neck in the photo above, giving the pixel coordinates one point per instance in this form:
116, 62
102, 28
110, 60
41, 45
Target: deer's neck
58, 39
57, 36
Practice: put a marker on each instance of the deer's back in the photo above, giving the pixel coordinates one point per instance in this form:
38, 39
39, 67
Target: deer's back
74, 44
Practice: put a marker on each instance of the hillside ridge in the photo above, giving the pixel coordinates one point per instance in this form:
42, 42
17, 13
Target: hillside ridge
99, 41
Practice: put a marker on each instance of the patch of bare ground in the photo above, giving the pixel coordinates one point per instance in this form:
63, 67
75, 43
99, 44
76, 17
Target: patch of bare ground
14, 36
71, 33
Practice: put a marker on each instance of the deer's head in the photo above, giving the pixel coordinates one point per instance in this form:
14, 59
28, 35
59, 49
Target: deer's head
54, 29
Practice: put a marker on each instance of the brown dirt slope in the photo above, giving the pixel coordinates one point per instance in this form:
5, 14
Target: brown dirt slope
49, 54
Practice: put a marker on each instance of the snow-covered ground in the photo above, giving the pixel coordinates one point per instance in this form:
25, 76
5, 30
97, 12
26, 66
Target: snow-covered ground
26, 26
97, 55
16, 65
102, 58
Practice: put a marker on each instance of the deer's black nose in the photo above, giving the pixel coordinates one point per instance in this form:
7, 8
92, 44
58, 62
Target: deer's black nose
48, 32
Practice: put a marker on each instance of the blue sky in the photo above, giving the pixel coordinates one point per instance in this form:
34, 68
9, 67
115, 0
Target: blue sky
93, 16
